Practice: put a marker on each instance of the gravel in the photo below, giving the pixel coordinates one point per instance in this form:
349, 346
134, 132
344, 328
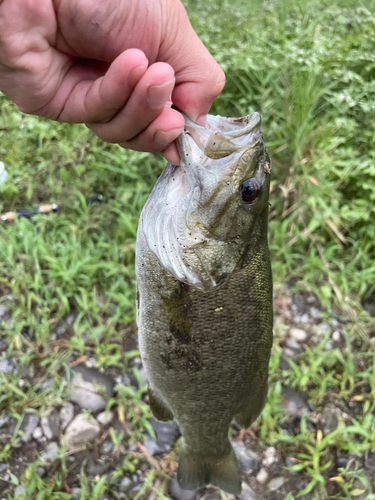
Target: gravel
85, 386
248, 459
105, 417
276, 483
179, 494
262, 476
269, 456
82, 428
298, 334
50, 423
66, 414
247, 493
50, 453
293, 403
20, 490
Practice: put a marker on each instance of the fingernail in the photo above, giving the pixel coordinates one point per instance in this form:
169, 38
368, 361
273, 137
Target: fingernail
136, 73
164, 138
158, 95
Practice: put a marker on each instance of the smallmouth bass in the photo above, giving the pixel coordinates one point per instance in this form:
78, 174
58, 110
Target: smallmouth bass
204, 293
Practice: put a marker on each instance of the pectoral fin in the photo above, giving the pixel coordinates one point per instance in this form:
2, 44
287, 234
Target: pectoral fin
158, 408
253, 408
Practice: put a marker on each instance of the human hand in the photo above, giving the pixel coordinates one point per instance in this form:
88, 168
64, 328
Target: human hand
112, 64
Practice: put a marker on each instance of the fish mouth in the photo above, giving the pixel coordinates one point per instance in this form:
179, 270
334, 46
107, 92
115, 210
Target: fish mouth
220, 137
225, 148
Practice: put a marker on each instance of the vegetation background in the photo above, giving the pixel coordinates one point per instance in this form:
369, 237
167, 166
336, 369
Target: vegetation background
309, 68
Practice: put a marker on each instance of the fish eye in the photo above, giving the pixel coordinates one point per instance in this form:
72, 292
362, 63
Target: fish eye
250, 190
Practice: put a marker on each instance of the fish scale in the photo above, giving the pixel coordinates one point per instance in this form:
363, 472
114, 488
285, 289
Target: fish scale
205, 338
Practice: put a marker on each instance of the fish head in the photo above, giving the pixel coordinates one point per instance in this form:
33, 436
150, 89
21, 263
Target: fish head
204, 214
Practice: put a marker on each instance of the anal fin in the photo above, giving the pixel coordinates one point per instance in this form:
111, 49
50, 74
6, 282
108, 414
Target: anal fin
195, 471
158, 408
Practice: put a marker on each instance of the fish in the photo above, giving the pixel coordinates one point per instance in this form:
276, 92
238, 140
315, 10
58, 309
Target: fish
204, 293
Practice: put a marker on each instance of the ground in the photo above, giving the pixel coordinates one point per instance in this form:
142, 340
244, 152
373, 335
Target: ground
68, 346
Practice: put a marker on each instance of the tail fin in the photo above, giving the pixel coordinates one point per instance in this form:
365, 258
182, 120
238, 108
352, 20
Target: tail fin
195, 471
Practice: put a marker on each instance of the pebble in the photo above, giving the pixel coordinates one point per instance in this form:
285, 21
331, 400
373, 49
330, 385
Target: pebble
29, 423
40, 471
247, 493
289, 353
48, 384
262, 476
85, 385
38, 433
269, 456
105, 417
60, 330
3, 467
106, 447
137, 362
4, 419
50, 453
292, 344
95, 468
334, 323
166, 433
20, 490
6, 365
289, 462
276, 483
322, 328
4, 311
153, 447
50, 423
330, 417
247, 458
71, 319
293, 403
329, 345
126, 484
298, 334
315, 313
303, 319
82, 428
179, 494
336, 336
76, 493
66, 414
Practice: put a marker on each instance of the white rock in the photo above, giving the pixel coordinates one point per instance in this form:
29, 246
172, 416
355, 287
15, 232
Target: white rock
50, 423
85, 394
315, 313
38, 433
29, 423
262, 476
20, 490
105, 417
66, 414
247, 493
50, 453
298, 334
275, 483
3, 311
269, 456
336, 336
83, 428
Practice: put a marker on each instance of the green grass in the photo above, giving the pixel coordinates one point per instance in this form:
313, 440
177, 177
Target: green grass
309, 68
